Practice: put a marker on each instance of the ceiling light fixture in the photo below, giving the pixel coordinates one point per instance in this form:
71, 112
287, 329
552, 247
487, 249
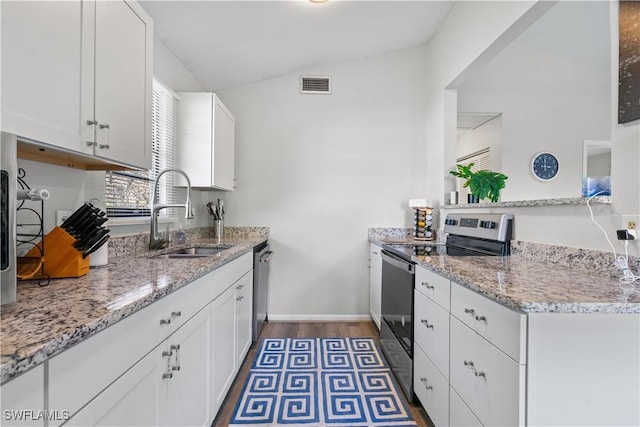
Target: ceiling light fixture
318, 1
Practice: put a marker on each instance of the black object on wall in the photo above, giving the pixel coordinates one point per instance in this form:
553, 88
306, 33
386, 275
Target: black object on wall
629, 62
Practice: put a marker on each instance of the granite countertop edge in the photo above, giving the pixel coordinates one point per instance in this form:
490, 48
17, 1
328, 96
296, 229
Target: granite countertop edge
13, 364
453, 269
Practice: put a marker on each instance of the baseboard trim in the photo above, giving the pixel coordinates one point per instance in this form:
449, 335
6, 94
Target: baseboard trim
319, 317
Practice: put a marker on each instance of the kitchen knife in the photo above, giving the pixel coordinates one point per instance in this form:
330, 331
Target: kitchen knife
71, 221
97, 246
88, 242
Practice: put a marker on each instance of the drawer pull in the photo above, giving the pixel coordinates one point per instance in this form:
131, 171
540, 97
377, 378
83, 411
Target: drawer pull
481, 318
480, 374
165, 321
240, 298
425, 322
176, 313
92, 122
423, 380
167, 376
104, 146
240, 286
469, 364
176, 347
91, 144
427, 285
470, 311
104, 126
167, 353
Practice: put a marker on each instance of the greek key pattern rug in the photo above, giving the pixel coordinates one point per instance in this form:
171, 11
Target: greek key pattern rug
317, 382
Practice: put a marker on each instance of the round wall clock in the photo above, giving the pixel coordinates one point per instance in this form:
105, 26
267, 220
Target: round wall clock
544, 166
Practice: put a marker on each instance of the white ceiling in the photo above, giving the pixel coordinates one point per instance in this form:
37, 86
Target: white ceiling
230, 43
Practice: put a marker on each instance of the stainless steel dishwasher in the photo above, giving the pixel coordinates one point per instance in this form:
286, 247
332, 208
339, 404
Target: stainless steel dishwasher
261, 256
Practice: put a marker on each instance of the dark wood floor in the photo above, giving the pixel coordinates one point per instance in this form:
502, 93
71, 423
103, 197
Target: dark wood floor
303, 330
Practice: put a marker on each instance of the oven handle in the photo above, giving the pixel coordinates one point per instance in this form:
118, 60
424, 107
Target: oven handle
398, 262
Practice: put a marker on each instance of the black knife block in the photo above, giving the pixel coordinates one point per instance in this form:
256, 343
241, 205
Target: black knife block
61, 258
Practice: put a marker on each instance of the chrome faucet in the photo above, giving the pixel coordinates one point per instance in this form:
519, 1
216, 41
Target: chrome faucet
157, 241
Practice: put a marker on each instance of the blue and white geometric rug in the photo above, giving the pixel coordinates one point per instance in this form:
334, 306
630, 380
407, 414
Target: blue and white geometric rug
319, 382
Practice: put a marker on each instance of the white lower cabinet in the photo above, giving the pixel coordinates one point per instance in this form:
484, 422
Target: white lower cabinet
22, 399
459, 413
375, 283
188, 389
170, 364
133, 400
243, 316
224, 345
431, 388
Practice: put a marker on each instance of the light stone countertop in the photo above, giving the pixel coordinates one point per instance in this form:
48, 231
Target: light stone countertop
45, 321
533, 287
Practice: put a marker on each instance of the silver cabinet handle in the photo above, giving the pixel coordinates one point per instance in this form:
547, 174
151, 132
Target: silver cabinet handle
167, 353
167, 376
104, 146
423, 380
468, 363
239, 286
427, 285
470, 311
240, 298
165, 321
480, 374
176, 348
481, 318
92, 122
91, 144
425, 322
104, 126
176, 313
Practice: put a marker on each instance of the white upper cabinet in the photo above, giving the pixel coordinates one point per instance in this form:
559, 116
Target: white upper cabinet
77, 75
206, 141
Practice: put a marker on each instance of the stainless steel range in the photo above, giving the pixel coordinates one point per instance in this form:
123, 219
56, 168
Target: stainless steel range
469, 234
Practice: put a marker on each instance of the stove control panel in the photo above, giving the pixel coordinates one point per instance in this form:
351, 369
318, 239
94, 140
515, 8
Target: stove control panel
480, 225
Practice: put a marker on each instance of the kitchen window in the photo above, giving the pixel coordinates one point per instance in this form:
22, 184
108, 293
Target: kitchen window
128, 193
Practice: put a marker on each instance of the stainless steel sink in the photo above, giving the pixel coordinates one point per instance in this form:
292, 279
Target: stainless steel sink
194, 252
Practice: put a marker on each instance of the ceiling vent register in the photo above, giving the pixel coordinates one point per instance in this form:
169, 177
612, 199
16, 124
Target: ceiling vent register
315, 85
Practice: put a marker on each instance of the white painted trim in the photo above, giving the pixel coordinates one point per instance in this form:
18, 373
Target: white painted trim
319, 317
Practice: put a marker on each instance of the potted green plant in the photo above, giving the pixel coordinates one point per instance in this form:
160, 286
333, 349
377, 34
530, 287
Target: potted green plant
484, 184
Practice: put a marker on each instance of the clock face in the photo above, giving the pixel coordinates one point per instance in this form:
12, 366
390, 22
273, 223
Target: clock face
545, 166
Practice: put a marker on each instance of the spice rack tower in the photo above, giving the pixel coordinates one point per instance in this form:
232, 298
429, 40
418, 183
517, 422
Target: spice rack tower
423, 224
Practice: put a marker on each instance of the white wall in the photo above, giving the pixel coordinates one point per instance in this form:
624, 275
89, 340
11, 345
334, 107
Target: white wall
462, 45
320, 169
548, 103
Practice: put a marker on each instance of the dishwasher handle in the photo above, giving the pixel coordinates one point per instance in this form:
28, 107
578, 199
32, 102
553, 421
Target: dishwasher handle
265, 256
398, 262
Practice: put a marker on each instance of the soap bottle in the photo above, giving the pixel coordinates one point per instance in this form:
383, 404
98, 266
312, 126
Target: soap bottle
181, 235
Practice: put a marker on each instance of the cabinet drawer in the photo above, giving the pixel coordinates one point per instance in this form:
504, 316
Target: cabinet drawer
431, 331
505, 328
431, 388
433, 286
490, 382
459, 413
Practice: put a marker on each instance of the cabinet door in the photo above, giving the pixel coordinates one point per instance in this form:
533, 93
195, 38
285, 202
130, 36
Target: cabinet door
123, 37
188, 390
224, 308
375, 283
47, 72
224, 146
23, 394
244, 312
132, 400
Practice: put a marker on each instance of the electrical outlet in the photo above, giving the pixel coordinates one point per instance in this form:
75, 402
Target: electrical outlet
61, 216
629, 222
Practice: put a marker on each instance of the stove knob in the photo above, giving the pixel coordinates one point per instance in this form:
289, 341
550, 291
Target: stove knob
450, 221
482, 224
490, 224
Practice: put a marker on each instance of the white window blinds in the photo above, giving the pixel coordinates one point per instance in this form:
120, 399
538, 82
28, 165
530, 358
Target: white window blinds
128, 194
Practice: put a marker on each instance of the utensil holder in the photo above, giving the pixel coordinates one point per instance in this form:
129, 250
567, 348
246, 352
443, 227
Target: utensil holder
218, 228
